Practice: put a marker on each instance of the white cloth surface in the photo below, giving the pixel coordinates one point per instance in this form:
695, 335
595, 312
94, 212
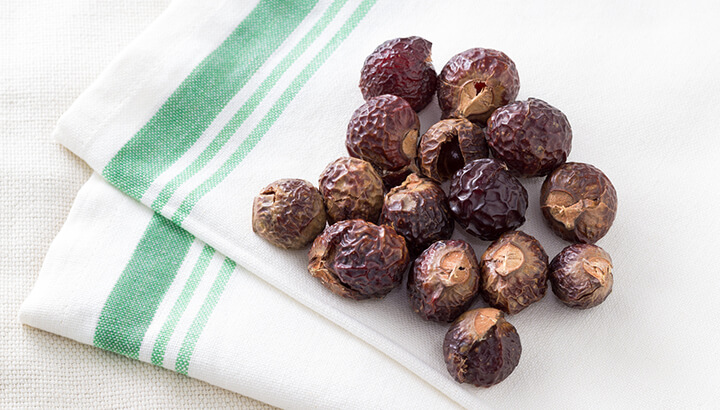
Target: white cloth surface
620, 73
50, 51
258, 341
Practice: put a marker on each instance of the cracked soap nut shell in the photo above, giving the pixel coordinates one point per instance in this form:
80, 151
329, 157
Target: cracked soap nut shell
579, 202
481, 348
476, 82
402, 67
514, 272
384, 131
352, 189
289, 213
531, 137
358, 259
448, 145
418, 210
486, 200
581, 275
444, 281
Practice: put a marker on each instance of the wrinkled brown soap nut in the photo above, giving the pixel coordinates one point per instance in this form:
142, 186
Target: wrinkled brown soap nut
448, 145
289, 213
481, 348
578, 202
444, 281
358, 259
352, 189
531, 137
486, 199
514, 272
402, 67
418, 210
476, 82
384, 131
581, 275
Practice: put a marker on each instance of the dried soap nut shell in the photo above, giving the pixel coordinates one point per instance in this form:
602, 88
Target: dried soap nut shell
289, 213
581, 275
531, 137
402, 67
481, 348
384, 131
448, 145
444, 281
514, 272
486, 200
352, 189
579, 202
476, 82
358, 259
418, 210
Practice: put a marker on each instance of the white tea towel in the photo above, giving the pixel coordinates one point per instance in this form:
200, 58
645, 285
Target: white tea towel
217, 99
210, 319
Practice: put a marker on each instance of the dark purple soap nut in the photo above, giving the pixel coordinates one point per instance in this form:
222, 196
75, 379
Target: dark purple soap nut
514, 272
402, 67
486, 200
289, 213
579, 202
352, 189
581, 275
481, 348
476, 82
358, 259
418, 210
531, 137
384, 131
448, 145
444, 281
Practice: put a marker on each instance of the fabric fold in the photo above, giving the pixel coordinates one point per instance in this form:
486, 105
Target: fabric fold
175, 302
219, 98
169, 130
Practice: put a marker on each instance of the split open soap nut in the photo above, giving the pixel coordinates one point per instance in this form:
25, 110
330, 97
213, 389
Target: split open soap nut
579, 202
481, 348
444, 281
581, 275
448, 145
475, 83
514, 272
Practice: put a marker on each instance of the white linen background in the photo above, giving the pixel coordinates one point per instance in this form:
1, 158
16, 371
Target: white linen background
662, 132
50, 52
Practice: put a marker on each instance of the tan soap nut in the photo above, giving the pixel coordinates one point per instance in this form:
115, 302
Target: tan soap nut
581, 275
448, 145
579, 202
481, 348
514, 272
352, 189
289, 213
444, 281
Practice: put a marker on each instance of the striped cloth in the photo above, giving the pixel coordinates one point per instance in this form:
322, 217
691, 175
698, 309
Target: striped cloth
157, 260
182, 115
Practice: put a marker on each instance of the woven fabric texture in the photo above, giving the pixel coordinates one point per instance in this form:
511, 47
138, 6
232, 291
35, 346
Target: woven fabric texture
51, 52
637, 81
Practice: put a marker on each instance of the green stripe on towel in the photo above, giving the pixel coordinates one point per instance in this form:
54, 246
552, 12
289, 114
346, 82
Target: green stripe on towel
166, 332
202, 95
247, 108
277, 109
198, 325
136, 296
